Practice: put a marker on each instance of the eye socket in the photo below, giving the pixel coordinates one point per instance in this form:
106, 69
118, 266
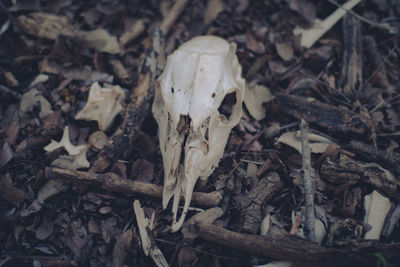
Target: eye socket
226, 107
172, 90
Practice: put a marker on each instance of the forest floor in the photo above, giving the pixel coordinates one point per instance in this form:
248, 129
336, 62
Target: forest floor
327, 195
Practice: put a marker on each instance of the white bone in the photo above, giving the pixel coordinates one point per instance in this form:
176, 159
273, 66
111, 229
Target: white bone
65, 143
312, 35
193, 85
104, 103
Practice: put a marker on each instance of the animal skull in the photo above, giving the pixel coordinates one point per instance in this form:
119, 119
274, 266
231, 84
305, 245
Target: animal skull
192, 132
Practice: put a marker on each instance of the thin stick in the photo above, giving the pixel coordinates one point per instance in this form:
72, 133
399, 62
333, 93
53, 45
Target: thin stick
309, 227
113, 183
172, 16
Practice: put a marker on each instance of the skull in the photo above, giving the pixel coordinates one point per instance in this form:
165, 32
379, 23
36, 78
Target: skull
192, 131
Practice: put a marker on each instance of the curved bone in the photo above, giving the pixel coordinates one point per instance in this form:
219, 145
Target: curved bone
192, 87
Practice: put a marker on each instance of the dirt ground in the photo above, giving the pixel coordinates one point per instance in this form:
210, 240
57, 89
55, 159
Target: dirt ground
309, 176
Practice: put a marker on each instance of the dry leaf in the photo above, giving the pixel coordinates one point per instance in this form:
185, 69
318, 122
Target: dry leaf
44, 230
11, 193
101, 41
43, 25
6, 154
317, 143
284, 50
29, 100
254, 99
214, 7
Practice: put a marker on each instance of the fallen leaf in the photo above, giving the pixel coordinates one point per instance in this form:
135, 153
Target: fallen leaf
44, 230
44, 25
101, 41
11, 193
51, 188
317, 143
29, 100
284, 50
142, 171
12, 132
254, 99
214, 7
305, 8
6, 154
105, 209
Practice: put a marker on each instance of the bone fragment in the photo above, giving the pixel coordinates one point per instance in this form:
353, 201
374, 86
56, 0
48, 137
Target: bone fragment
310, 36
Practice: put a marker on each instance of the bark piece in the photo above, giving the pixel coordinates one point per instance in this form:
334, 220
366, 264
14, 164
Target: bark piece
137, 109
334, 119
113, 183
387, 159
351, 81
250, 205
346, 170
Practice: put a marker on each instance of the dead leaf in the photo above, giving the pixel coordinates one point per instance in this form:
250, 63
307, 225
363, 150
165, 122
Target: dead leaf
11, 193
12, 132
51, 188
44, 230
93, 227
284, 50
142, 171
108, 229
122, 248
29, 100
6, 154
105, 209
317, 143
305, 8
253, 45
254, 99
44, 25
214, 7
101, 41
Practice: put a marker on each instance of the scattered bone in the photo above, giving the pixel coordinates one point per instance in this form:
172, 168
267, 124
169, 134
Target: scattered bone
310, 36
65, 143
98, 140
104, 103
196, 79
149, 248
73, 162
376, 208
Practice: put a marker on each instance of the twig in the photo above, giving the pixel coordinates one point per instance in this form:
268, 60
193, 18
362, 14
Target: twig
113, 183
309, 227
10, 92
172, 16
370, 22
290, 248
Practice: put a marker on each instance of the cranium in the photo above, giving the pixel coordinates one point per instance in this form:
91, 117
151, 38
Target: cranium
192, 132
